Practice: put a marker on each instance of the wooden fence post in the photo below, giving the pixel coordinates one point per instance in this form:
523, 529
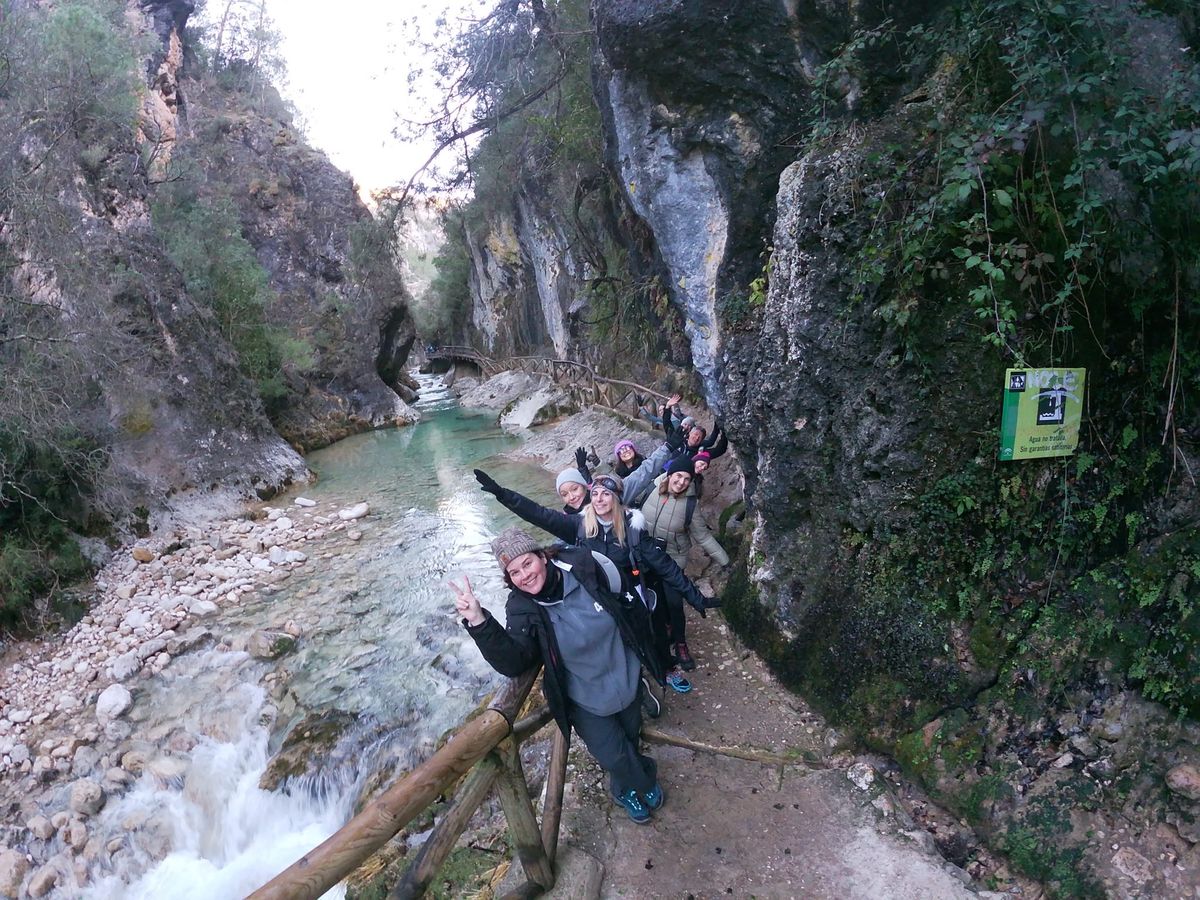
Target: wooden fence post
522, 823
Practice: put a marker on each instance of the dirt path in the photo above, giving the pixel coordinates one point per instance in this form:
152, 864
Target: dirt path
736, 828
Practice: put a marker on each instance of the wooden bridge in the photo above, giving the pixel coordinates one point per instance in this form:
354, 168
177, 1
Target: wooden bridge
584, 384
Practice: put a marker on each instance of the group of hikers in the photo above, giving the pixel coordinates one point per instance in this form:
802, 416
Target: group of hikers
602, 609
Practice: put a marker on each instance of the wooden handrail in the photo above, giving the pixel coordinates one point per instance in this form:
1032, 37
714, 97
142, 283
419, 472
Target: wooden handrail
347, 848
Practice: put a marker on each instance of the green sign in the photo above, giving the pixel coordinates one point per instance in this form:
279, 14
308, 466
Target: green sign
1042, 411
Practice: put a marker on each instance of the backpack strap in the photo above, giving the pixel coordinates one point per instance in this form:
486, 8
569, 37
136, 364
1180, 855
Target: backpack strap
689, 511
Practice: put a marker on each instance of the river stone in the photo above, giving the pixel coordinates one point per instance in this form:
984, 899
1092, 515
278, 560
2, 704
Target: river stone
304, 501
20, 716
277, 556
114, 702
18, 754
76, 836
134, 762
41, 828
151, 648
125, 666
201, 609
357, 511
307, 747
190, 639
143, 554
86, 798
125, 591
13, 869
270, 644
43, 881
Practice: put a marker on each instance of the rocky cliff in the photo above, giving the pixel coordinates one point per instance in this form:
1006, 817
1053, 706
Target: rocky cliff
161, 393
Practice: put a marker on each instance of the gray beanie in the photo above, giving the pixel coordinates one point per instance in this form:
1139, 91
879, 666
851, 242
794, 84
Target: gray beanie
568, 476
511, 543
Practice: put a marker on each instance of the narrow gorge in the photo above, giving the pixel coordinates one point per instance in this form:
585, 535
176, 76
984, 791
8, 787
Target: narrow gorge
836, 229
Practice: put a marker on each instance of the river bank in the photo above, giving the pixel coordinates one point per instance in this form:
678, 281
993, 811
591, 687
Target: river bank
63, 724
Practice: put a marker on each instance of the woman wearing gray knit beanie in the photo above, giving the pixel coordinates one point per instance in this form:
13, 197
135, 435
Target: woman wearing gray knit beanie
568, 615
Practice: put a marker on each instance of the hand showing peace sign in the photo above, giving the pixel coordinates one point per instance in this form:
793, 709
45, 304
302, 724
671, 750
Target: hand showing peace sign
466, 603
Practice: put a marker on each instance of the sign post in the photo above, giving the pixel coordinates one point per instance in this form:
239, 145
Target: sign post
1041, 413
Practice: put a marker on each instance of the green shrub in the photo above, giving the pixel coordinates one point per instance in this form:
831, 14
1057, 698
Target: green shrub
221, 271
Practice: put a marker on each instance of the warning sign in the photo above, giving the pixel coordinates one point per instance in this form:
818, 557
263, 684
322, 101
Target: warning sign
1041, 414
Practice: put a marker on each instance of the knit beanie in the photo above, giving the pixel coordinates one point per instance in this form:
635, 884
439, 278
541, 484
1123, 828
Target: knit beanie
687, 423
702, 455
612, 483
511, 543
681, 464
568, 476
621, 445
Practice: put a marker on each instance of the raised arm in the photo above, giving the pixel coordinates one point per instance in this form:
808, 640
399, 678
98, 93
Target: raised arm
562, 526
656, 560
641, 477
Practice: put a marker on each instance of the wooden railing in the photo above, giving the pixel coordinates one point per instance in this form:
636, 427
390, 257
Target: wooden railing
585, 385
488, 747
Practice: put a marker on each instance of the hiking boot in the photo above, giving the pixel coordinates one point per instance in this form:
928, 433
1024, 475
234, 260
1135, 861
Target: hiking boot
677, 682
634, 806
684, 656
650, 701
654, 797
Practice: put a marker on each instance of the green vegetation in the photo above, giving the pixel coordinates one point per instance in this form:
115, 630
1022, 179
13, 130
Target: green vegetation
1051, 197
220, 270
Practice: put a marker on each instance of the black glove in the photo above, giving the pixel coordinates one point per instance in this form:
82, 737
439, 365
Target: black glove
487, 483
581, 462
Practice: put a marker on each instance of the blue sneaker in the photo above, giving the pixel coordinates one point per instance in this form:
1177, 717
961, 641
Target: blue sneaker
634, 806
654, 797
678, 683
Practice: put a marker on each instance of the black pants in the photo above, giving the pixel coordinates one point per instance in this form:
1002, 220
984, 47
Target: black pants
613, 740
669, 623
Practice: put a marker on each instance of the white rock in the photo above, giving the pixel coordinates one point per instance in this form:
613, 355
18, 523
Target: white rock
274, 515
278, 556
125, 591
125, 666
294, 556
862, 775
114, 702
18, 754
283, 523
135, 619
304, 501
20, 716
357, 511
190, 590
202, 608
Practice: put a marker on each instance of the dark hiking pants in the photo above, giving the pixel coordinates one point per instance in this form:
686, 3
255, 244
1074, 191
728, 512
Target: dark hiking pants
613, 740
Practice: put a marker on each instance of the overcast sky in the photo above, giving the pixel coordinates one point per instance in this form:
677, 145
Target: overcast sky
348, 65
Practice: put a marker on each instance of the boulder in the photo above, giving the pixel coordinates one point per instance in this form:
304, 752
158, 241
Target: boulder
41, 828
13, 869
143, 554
201, 609
114, 702
87, 797
43, 881
270, 644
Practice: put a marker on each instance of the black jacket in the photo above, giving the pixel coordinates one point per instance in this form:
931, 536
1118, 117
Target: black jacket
569, 530
529, 640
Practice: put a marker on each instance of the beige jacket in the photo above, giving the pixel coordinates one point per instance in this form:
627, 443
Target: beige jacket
665, 516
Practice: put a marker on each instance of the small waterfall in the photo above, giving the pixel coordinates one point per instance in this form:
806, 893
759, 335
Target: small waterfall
222, 835
434, 392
